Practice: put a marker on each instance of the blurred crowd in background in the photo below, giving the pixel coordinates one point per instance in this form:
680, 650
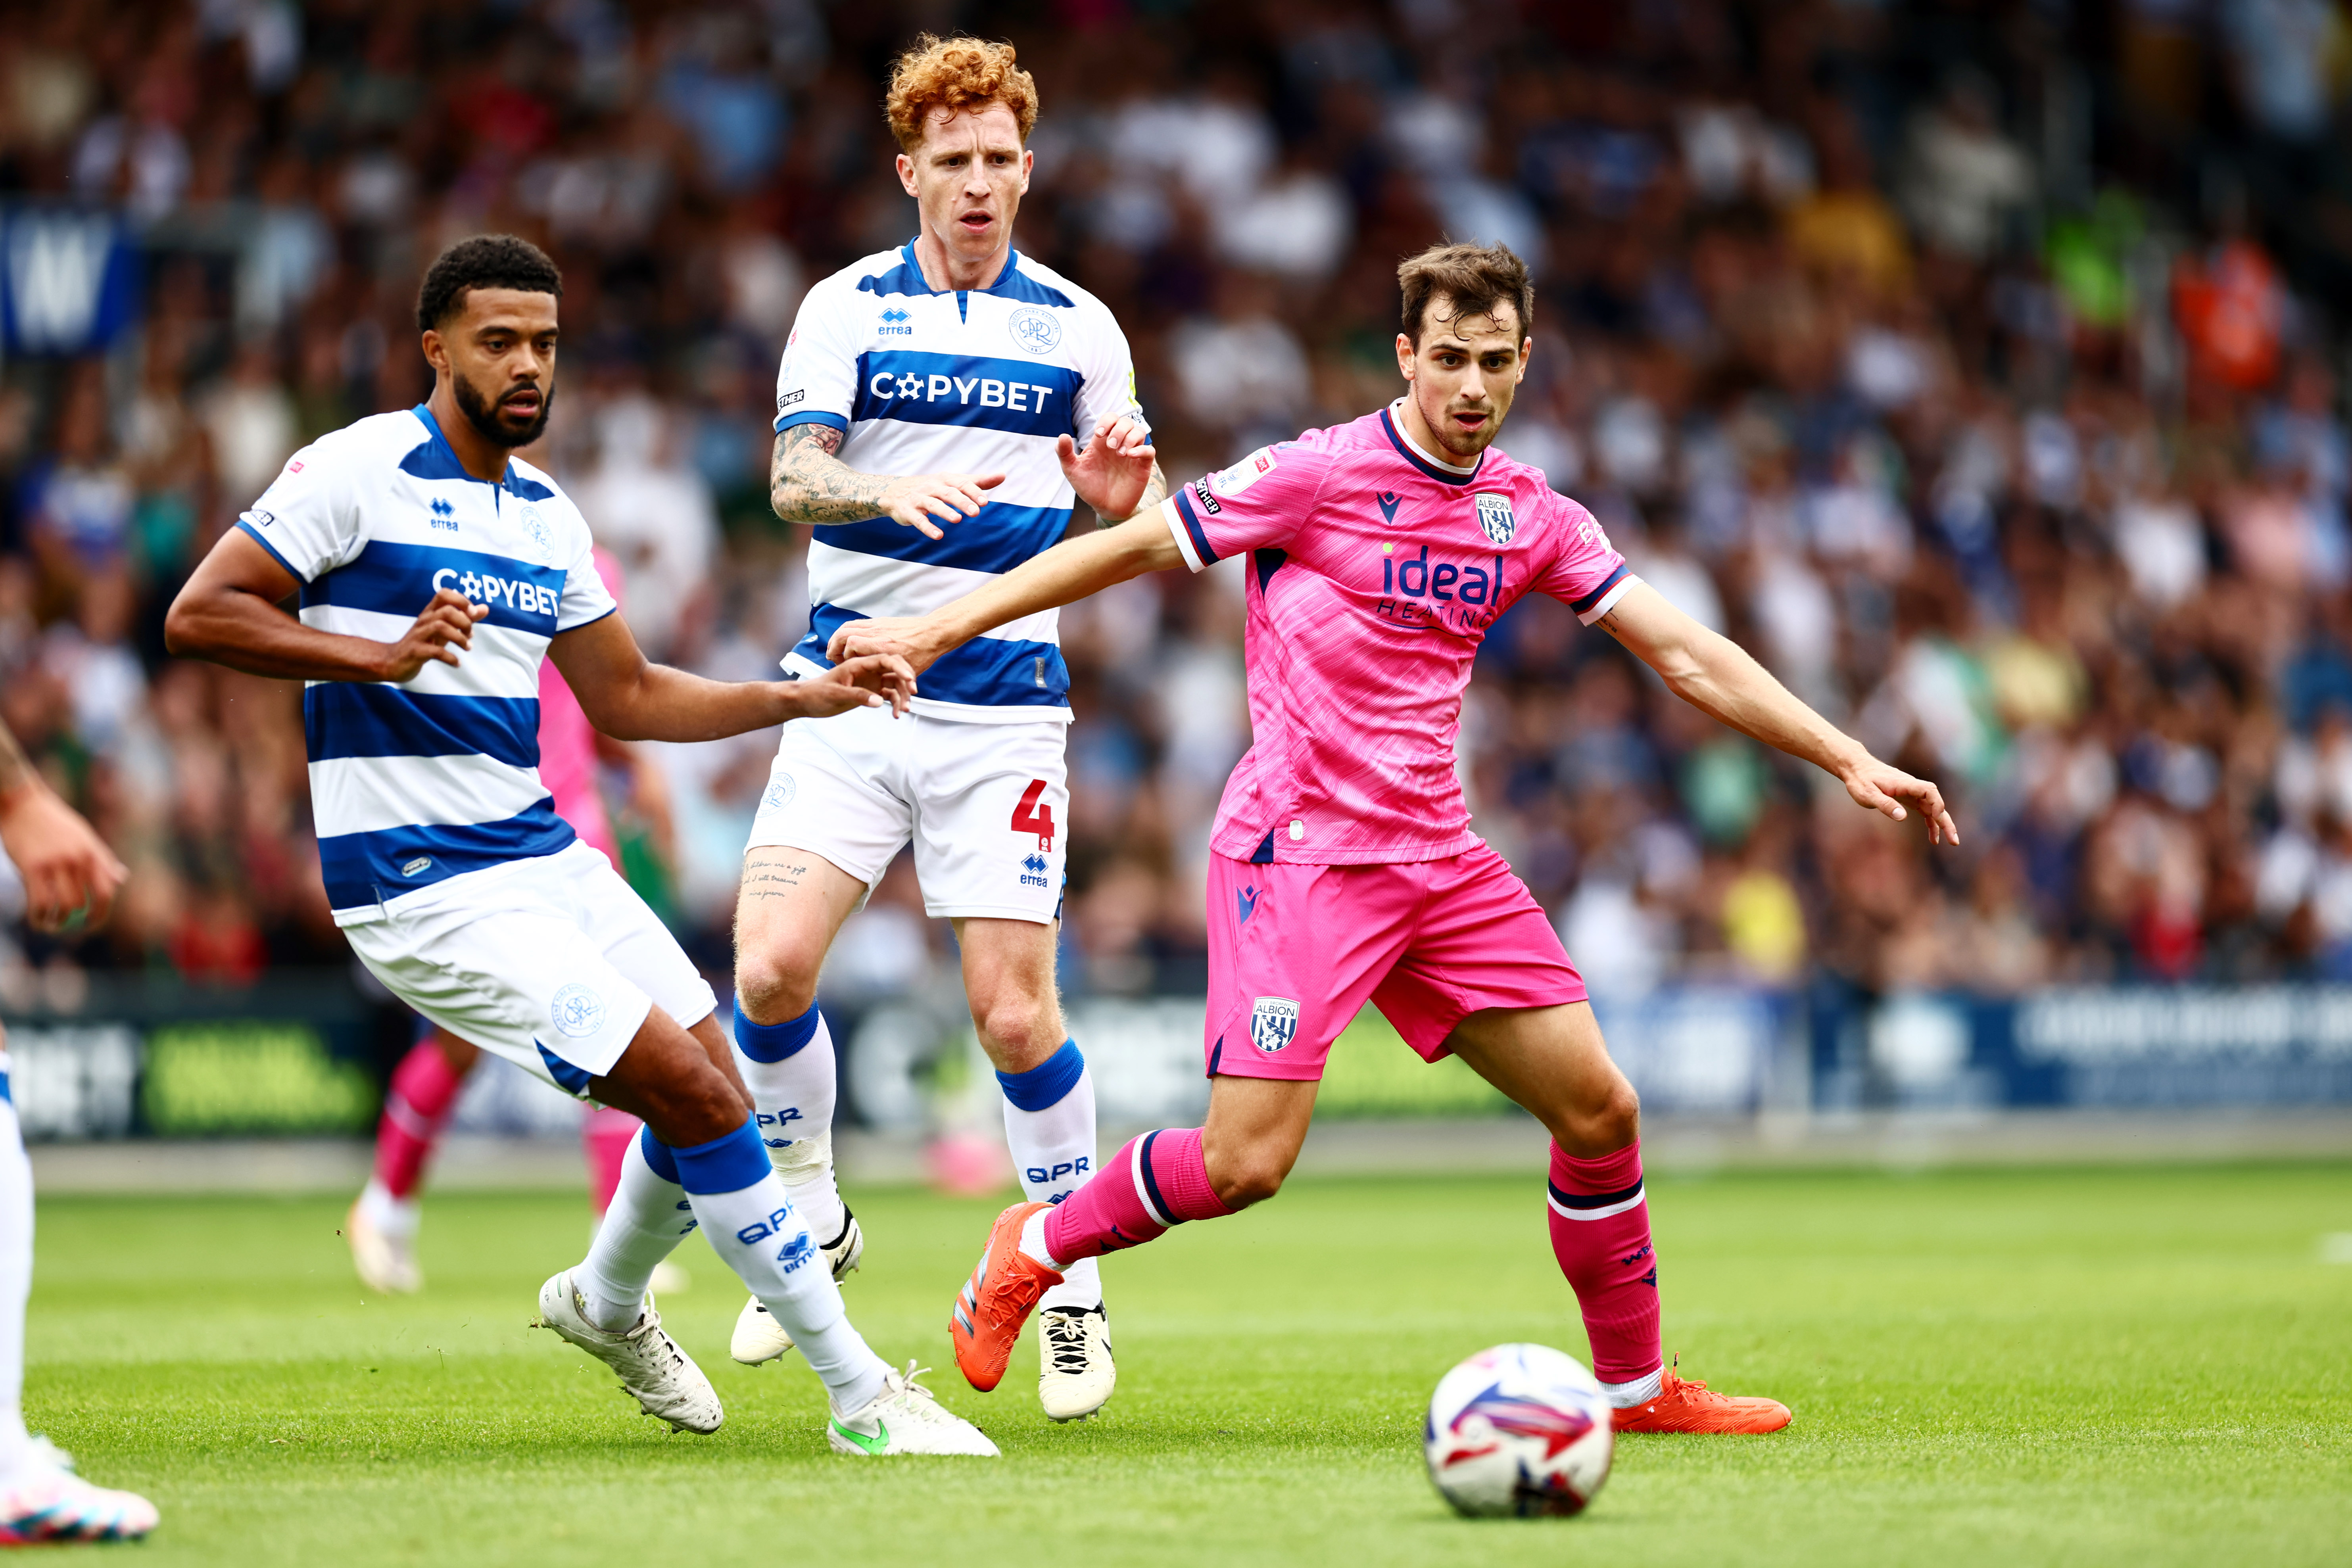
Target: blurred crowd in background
1969, 363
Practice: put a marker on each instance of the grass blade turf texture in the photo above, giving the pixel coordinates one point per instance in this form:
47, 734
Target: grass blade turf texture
2127, 1366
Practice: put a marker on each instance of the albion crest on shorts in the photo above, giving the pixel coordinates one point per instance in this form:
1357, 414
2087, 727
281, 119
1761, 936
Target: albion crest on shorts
1273, 1023
1495, 516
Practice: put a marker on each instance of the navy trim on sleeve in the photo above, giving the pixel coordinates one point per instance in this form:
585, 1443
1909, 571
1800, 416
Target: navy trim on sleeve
1201, 546
811, 417
1581, 605
274, 555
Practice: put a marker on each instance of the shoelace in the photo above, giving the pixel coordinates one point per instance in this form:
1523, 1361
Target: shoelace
1004, 1313
907, 1384
1065, 1342
648, 1332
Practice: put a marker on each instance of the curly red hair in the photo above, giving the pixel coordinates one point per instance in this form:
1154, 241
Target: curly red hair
954, 74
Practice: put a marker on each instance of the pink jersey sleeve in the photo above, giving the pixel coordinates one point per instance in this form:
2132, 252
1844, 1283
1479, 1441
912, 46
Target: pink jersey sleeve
1257, 502
1586, 572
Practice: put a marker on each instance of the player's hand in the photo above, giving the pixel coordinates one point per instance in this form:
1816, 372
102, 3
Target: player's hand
446, 628
911, 637
67, 868
918, 497
1883, 788
872, 680
1111, 472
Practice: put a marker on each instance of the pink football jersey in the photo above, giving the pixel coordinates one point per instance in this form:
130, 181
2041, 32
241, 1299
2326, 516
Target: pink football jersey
567, 743
1374, 572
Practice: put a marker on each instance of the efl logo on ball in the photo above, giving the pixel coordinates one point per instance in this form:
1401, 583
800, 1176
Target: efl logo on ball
1273, 1023
577, 1012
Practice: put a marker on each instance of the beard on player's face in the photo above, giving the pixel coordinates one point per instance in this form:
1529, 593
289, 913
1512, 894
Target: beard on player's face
1439, 405
500, 423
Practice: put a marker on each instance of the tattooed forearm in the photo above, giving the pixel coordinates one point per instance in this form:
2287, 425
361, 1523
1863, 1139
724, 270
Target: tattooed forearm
16, 768
806, 483
1154, 492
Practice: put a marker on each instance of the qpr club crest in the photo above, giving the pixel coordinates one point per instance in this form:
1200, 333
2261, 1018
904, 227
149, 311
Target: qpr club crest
1036, 330
578, 1012
542, 537
1273, 1023
1495, 517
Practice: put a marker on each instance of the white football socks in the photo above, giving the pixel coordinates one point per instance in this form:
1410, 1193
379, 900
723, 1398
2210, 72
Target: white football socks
760, 1236
648, 1218
392, 1215
1625, 1395
1032, 1242
752, 1226
793, 1096
15, 1283
1049, 1126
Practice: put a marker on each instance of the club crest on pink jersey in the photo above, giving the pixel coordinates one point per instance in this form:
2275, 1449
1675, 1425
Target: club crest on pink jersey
1273, 1023
1495, 517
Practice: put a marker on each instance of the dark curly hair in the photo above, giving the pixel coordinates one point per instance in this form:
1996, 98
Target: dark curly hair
485, 261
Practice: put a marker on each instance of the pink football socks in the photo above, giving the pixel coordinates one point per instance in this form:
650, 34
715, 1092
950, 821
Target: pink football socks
1153, 1181
422, 1094
1600, 1234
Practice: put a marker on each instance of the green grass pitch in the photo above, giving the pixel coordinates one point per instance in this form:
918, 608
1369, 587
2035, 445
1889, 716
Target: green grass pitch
2141, 1366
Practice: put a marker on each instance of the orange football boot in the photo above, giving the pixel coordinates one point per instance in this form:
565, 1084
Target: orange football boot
1685, 1405
997, 1299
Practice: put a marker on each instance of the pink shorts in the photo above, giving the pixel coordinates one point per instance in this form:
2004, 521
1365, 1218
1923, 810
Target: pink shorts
1295, 952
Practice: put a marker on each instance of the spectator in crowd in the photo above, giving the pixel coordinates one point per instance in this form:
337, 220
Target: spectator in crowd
2038, 475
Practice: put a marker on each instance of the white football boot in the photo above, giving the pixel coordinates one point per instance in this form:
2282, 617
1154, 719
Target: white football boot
1074, 1373
759, 1338
662, 1378
905, 1419
46, 1501
386, 1263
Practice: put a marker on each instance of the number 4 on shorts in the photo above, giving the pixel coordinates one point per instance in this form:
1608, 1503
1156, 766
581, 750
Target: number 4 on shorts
1032, 816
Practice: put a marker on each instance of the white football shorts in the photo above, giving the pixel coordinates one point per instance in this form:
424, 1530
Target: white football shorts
552, 962
984, 804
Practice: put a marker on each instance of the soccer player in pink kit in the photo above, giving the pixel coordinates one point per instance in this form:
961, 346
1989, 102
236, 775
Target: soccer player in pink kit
1379, 554
424, 1090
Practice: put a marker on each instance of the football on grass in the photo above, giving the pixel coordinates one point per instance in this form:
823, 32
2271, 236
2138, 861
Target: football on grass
1519, 1430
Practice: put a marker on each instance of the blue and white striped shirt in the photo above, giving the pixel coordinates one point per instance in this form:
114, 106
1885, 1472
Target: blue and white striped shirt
414, 784
974, 381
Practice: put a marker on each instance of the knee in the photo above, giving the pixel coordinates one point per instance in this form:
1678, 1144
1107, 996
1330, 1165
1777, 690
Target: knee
775, 983
1244, 1177
696, 1106
1018, 1029
1606, 1125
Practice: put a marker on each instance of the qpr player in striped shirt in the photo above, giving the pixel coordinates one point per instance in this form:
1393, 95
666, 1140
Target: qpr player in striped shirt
436, 572
938, 409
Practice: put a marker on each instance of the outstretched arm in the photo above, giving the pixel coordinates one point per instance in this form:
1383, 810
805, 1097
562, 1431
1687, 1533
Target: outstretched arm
65, 865
630, 698
806, 483
1716, 676
1062, 576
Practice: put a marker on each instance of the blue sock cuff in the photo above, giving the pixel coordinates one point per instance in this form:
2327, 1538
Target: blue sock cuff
775, 1042
725, 1164
1048, 1082
658, 1154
